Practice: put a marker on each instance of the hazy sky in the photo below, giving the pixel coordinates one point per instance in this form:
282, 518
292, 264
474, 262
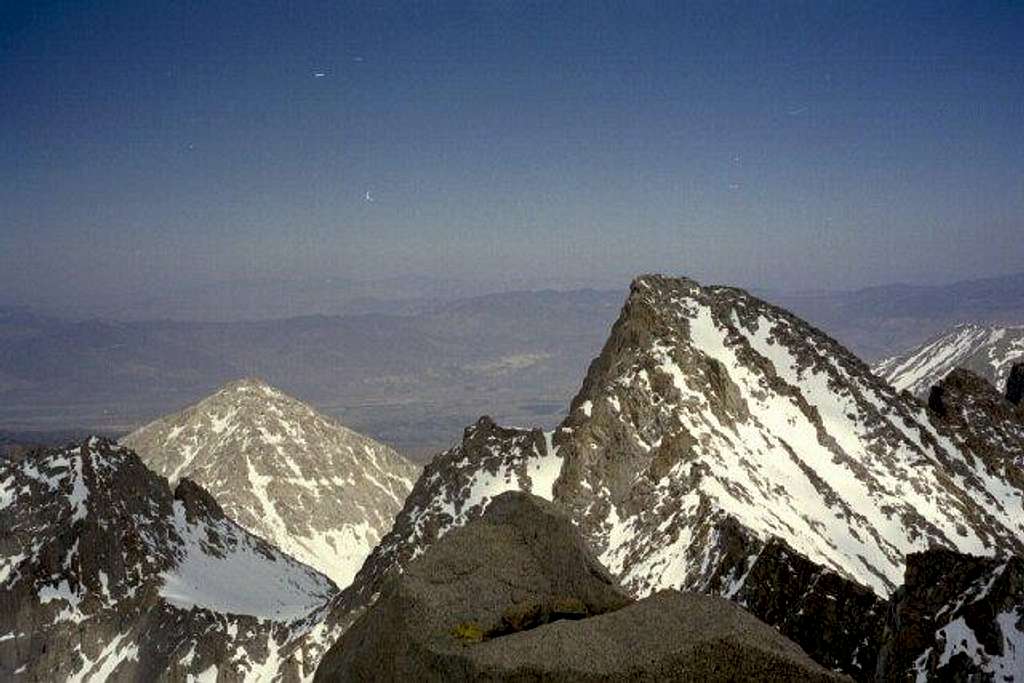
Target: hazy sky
145, 145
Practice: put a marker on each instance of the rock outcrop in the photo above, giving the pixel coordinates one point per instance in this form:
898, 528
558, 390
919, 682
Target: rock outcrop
516, 595
1015, 384
957, 618
982, 421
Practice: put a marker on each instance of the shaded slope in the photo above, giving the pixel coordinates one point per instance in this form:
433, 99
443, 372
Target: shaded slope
105, 571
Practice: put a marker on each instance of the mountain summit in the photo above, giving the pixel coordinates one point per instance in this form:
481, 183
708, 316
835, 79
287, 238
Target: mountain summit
708, 403
321, 492
720, 444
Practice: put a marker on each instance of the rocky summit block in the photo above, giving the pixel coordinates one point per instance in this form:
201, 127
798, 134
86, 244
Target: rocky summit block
516, 595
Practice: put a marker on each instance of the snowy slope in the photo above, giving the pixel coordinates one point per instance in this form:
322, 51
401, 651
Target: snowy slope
104, 570
322, 493
989, 351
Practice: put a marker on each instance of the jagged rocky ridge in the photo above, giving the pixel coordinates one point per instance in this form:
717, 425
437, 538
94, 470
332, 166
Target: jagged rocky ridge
721, 445
107, 572
322, 493
987, 350
982, 421
957, 618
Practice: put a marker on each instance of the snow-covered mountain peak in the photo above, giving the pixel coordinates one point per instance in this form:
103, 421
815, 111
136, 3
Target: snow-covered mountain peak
988, 350
316, 489
100, 555
712, 423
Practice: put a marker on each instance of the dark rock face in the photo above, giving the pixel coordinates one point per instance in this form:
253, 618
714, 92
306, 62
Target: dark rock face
957, 617
516, 595
979, 418
836, 621
105, 573
1015, 384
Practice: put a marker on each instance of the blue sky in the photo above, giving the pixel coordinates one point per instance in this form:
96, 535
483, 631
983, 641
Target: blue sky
780, 145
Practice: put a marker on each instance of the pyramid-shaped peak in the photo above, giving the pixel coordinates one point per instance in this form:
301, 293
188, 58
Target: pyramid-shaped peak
739, 399
285, 472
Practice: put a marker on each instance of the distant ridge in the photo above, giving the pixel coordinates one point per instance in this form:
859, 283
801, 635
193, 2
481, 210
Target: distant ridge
988, 350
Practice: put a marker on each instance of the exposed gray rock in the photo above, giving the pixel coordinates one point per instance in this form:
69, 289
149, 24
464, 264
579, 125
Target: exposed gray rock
317, 490
516, 595
105, 572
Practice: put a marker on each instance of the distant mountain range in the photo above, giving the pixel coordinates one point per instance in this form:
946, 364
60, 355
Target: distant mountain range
881, 321
408, 380
410, 375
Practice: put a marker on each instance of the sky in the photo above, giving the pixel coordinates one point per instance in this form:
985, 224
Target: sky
793, 145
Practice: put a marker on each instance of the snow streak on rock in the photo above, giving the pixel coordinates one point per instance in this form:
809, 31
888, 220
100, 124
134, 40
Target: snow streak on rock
988, 351
708, 403
322, 493
105, 572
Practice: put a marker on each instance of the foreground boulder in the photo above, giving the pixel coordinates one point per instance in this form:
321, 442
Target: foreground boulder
517, 595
